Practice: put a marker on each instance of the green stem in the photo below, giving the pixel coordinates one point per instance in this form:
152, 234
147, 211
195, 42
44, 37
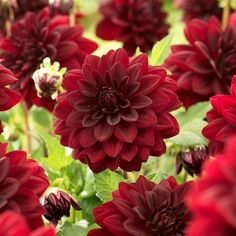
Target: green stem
226, 14
27, 128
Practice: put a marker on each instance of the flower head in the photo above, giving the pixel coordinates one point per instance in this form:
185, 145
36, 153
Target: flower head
48, 78
199, 9
8, 97
22, 182
115, 111
204, 67
212, 199
144, 208
58, 205
36, 36
13, 224
138, 23
192, 160
221, 119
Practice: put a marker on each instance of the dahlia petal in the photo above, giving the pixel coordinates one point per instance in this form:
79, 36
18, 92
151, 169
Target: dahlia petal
201, 85
140, 101
73, 140
88, 120
86, 137
146, 117
141, 59
112, 147
66, 49
114, 224
13, 99
92, 61
27, 200
71, 78
103, 131
145, 137
111, 31
119, 55
3, 202
13, 224
134, 228
21, 173
9, 187
4, 163
6, 78
129, 152
95, 154
98, 232
148, 83
87, 45
104, 65
126, 132
113, 119
134, 72
49, 231
129, 115
118, 71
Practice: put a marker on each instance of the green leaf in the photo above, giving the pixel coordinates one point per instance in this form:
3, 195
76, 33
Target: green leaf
161, 50
105, 183
69, 229
57, 157
191, 124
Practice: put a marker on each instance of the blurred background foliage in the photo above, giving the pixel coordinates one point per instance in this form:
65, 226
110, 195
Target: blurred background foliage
72, 176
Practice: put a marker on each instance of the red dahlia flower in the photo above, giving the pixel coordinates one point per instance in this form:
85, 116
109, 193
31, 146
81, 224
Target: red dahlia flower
138, 23
13, 224
115, 111
57, 6
199, 9
212, 199
22, 182
222, 120
35, 37
8, 97
205, 66
144, 208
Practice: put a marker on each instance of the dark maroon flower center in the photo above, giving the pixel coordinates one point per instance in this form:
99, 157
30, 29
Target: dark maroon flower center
110, 100
108, 97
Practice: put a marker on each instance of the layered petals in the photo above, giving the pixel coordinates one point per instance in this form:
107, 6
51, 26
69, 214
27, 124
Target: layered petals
204, 67
115, 111
35, 37
13, 224
144, 208
212, 199
137, 23
22, 182
221, 120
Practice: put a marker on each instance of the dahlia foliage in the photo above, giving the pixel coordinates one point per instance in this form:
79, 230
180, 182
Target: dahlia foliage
117, 118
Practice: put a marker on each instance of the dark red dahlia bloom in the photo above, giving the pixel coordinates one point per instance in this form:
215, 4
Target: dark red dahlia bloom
57, 6
138, 23
58, 205
212, 199
22, 182
8, 97
192, 160
13, 224
144, 208
199, 9
222, 120
205, 66
35, 37
115, 111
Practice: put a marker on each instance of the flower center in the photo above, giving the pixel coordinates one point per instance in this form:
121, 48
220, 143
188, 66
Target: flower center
108, 99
